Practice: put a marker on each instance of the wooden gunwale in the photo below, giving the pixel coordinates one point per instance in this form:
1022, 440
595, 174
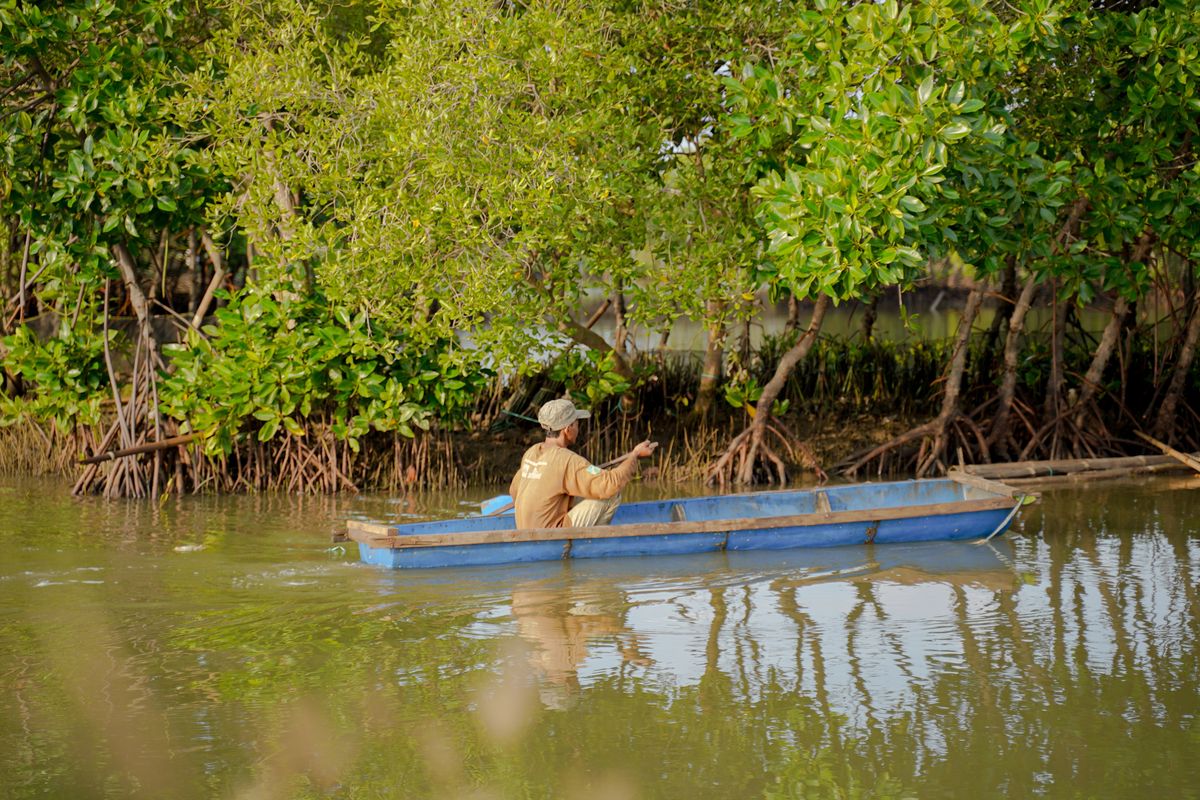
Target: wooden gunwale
370, 535
364, 529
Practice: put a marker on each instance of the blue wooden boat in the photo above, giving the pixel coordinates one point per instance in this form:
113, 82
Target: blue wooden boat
953, 508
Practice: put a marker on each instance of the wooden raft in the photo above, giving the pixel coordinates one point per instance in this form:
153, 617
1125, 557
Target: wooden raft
1025, 474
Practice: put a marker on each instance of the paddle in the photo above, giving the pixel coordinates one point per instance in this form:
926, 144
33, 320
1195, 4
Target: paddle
503, 502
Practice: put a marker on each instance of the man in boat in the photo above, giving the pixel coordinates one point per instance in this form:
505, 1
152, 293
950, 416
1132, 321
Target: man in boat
557, 488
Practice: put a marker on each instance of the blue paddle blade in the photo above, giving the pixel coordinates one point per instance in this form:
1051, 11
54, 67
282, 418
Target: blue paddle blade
494, 504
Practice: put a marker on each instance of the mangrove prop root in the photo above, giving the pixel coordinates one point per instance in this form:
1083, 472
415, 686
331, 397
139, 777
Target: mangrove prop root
750, 444
943, 434
1012, 352
1164, 423
316, 463
750, 451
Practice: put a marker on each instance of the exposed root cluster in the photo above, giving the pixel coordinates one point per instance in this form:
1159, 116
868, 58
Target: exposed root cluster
923, 449
755, 453
316, 463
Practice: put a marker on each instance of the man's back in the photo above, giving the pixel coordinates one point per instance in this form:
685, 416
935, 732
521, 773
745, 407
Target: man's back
550, 476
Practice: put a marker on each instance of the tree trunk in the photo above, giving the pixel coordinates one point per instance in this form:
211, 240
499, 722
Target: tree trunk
1129, 337
1008, 291
193, 269
620, 332
744, 349
289, 216
1104, 351
21, 278
793, 317
958, 361
594, 341
958, 366
287, 208
1164, 423
714, 358
1055, 382
8, 273
870, 314
1111, 336
621, 349
791, 358
663, 337
774, 387
137, 298
6, 249
1012, 352
218, 264
281, 192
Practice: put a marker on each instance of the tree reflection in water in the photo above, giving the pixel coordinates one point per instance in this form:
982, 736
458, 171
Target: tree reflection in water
1064, 658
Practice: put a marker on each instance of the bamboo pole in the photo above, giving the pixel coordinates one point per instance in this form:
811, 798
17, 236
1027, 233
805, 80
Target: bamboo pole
1076, 478
1033, 469
1182, 458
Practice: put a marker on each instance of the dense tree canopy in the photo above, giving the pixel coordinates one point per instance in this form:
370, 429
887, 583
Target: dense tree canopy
452, 184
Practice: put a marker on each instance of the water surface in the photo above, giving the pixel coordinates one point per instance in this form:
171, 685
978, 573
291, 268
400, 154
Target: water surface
223, 647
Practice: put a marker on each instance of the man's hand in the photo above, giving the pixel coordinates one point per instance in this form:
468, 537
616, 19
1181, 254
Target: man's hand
645, 449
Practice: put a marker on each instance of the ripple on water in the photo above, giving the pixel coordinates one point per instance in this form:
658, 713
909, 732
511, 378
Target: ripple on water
69, 577
303, 575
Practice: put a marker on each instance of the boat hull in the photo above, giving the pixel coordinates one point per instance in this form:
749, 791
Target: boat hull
883, 513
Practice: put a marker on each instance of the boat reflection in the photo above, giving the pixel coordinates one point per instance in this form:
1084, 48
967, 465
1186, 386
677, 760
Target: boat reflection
560, 624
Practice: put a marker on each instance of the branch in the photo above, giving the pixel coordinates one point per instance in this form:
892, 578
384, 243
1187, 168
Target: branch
214, 255
38, 69
591, 339
129, 273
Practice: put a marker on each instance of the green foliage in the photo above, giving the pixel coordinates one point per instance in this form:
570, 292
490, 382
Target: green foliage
482, 168
589, 376
486, 176
65, 378
695, 249
90, 157
273, 368
441, 184
851, 127
744, 392
877, 376
1099, 111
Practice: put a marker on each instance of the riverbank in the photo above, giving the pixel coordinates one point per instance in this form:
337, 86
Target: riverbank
462, 459
275, 420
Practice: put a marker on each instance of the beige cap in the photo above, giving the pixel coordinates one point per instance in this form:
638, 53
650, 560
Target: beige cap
558, 414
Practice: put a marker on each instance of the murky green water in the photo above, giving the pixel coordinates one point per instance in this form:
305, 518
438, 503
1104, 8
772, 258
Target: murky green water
219, 648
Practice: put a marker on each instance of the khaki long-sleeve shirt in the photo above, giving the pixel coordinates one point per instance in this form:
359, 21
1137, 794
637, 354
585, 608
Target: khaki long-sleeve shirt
550, 476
